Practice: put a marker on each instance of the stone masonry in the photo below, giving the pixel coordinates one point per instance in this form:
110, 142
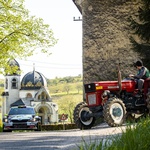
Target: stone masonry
106, 37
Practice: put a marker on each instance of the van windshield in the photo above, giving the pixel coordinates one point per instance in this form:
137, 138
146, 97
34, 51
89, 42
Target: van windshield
19, 111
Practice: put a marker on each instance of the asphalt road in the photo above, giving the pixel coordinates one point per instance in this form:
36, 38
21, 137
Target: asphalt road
55, 140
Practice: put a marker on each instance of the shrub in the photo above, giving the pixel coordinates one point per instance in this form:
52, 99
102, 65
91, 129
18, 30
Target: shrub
58, 127
136, 137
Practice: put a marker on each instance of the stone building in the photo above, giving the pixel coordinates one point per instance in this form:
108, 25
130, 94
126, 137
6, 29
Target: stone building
106, 38
30, 91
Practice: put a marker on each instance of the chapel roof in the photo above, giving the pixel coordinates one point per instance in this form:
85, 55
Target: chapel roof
33, 80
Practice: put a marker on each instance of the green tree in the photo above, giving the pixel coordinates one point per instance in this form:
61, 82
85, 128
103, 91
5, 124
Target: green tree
20, 34
68, 79
67, 88
79, 87
141, 32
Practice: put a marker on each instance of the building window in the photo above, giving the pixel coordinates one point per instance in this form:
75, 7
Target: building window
42, 96
29, 95
14, 83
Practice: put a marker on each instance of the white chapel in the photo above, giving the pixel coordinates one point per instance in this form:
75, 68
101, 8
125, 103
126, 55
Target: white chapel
32, 90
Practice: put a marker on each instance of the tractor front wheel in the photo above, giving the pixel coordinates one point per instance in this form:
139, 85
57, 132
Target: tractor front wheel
114, 112
81, 119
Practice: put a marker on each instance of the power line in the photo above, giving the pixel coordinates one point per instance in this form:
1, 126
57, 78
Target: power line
51, 67
34, 61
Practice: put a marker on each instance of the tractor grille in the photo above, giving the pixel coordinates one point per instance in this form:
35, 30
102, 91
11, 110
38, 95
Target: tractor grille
90, 87
91, 99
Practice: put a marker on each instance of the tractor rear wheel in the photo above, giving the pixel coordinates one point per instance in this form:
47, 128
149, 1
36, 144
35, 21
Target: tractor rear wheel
114, 112
81, 118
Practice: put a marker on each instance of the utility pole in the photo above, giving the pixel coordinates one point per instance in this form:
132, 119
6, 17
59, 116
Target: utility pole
79, 19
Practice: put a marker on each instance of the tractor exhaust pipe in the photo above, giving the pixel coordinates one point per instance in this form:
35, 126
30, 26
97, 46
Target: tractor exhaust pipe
119, 79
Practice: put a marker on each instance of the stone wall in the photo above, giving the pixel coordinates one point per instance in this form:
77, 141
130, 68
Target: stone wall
106, 38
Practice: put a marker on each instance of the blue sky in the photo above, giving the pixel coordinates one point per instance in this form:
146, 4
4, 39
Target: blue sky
66, 58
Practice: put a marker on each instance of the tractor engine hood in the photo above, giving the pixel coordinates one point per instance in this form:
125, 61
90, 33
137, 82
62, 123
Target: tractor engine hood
128, 85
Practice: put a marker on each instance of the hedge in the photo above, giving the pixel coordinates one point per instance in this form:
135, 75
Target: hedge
58, 127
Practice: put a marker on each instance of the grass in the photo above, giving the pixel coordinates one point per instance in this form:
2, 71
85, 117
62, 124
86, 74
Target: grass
136, 137
96, 145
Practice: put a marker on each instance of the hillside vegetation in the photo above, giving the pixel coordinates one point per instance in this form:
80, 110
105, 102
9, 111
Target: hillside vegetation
66, 85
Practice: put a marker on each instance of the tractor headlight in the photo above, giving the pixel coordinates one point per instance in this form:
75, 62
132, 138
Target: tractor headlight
91, 99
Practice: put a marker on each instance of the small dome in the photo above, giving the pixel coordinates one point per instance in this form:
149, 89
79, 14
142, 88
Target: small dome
13, 62
13, 69
33, 80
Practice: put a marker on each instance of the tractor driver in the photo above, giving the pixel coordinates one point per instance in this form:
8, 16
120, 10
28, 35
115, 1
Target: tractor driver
143, 73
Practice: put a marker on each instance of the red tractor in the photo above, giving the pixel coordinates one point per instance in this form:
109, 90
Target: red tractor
113, 101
